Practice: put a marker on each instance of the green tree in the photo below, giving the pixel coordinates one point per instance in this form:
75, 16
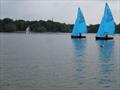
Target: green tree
21, 25
117, 28
7, 20
41, 29
9, 27
1, 25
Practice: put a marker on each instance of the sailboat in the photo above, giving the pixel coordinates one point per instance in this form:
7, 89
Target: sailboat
79, 26
107, 26
27, 30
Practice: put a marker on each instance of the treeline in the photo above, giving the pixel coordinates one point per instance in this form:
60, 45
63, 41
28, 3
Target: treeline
10, 25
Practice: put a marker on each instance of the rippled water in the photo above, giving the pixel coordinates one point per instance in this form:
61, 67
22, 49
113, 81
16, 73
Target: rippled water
57, 62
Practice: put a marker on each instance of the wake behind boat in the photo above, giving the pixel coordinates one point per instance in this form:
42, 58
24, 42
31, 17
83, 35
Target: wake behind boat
107, 26
80, 26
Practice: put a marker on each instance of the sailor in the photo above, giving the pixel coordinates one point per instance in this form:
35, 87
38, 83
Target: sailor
106, 36
80, 34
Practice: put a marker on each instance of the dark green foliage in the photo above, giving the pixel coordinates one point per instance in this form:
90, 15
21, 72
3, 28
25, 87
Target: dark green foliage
93, 28
117, 28
9, 25
21, 25
40, 29
1, 25
7, 20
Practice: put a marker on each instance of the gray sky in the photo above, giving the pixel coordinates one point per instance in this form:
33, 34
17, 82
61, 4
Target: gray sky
59, 10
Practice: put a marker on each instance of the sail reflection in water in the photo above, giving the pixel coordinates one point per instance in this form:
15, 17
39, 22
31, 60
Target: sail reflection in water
106, 54
79, 59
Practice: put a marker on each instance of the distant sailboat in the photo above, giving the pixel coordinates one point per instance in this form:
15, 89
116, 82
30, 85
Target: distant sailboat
80, 26
107, 26
27, 30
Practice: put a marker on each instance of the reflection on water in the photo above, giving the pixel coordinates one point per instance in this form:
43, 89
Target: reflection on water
106, 54
79, 58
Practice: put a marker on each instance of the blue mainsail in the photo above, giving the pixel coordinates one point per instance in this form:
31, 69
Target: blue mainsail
80, 25
107, 25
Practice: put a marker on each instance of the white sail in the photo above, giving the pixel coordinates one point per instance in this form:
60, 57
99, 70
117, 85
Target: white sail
28, 30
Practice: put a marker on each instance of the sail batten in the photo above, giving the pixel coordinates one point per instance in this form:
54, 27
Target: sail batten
80, 25
107, 26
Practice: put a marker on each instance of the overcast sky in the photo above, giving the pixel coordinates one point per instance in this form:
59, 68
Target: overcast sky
59, 10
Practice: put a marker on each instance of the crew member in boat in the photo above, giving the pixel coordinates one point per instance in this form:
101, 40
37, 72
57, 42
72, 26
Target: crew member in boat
80, 34
106, 36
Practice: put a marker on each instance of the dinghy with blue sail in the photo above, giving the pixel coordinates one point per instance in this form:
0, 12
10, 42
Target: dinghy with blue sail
79, 26
107, 26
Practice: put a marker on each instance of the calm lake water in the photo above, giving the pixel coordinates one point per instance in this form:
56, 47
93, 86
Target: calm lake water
57, 62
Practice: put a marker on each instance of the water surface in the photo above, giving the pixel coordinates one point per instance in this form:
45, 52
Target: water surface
57, 62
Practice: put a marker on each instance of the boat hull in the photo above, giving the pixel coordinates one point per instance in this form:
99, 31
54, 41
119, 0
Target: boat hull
78, 36
104, 38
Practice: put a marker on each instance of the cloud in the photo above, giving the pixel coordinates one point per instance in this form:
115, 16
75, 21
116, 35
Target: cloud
59, 10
